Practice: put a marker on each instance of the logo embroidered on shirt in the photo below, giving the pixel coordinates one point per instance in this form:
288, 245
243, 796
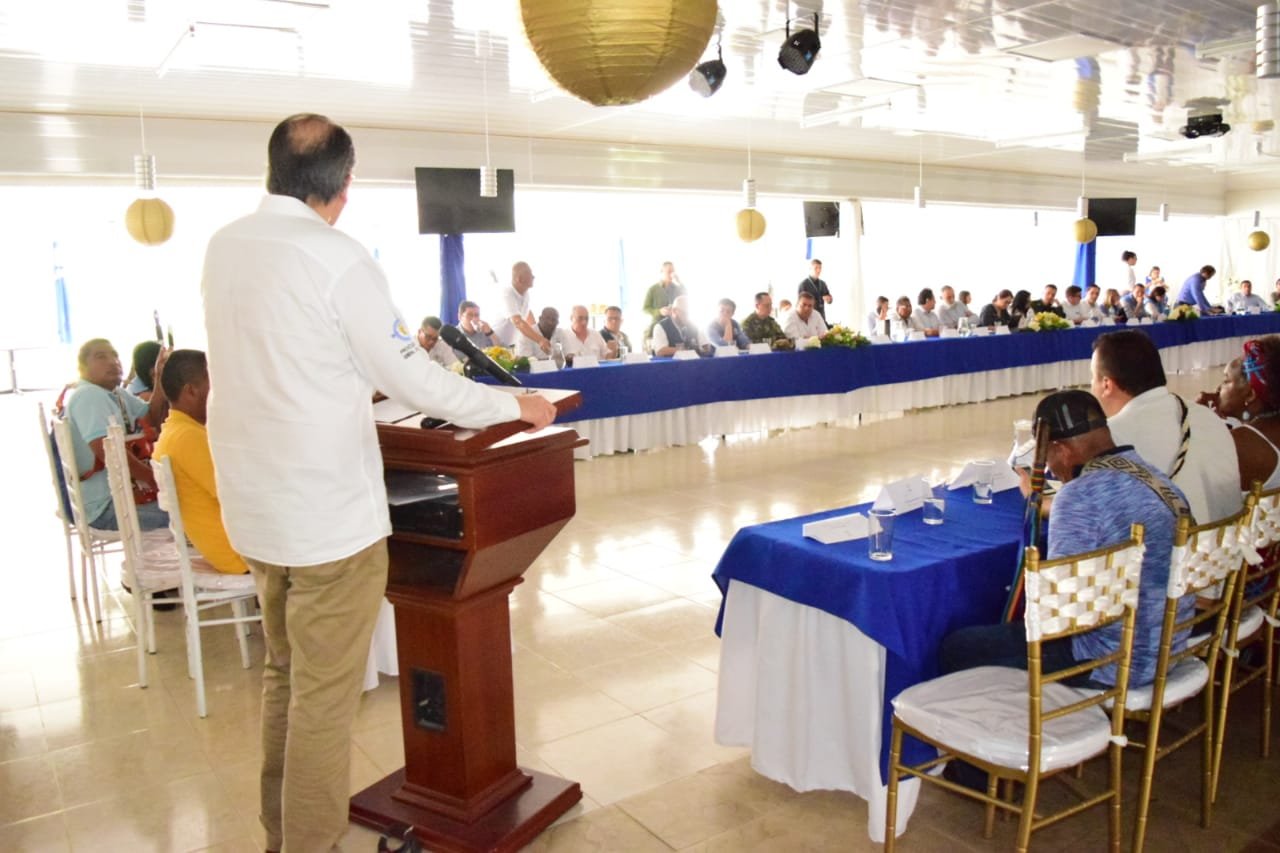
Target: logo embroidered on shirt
399, 330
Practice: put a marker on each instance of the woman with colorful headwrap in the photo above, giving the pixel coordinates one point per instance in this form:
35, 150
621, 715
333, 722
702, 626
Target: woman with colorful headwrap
1249, 400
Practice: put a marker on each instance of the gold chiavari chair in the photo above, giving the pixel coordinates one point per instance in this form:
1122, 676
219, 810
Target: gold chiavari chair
1028, 726
1205, 557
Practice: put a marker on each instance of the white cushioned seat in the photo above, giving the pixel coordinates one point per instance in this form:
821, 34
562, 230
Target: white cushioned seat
1250, 622
983, 712
1187, 678
162, 571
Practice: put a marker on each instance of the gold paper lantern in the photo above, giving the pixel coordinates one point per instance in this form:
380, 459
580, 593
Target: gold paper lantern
1259, 240
1086, 230
750, 225
150, 221
608, 52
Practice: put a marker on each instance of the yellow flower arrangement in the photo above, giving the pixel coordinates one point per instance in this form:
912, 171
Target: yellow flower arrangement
1047, 321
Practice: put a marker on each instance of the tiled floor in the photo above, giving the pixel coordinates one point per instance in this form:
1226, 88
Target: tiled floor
615, 674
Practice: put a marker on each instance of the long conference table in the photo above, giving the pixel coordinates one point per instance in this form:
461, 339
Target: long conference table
666, 403
817, 639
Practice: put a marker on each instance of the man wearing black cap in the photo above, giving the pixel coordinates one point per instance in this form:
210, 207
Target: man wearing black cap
1105, 490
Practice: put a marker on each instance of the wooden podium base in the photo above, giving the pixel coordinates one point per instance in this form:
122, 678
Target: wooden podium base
509, 826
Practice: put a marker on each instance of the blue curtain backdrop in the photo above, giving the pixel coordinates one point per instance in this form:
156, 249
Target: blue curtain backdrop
1086, 264
453, 277
60, 295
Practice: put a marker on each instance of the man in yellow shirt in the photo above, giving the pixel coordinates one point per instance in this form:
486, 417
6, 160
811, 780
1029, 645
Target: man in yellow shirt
185, 441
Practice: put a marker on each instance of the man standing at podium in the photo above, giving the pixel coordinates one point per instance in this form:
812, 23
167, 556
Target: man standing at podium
301, 332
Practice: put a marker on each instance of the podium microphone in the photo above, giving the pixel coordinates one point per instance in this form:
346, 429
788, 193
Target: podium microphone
453, 336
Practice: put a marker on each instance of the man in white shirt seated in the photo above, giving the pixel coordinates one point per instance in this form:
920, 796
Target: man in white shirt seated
548, 329
477, 331
1134, 302
901, 324
1129, 382
805, 322
1246, 300
950, 310
612, 332
674, 332
429, 339
1092, 308
926, 319
1074, 309
581, 340
878, 320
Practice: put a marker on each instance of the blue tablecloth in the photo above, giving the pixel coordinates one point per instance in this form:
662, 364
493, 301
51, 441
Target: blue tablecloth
616, 390
941, 578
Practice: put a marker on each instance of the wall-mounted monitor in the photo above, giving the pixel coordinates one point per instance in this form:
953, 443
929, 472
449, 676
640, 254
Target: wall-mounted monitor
1115, 217
821, 219
449, 202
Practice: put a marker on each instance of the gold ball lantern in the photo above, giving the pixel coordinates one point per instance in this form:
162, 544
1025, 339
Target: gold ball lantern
1259, 240
750, 225
150, 221
1086, 230
609, 53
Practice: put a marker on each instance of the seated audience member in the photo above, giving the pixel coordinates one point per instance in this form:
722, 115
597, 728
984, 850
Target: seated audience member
925, 319
141, 380
901, 324
1049, 302
1091, 303
1020, 310
1245, 300
966, 299
1074, 310
760, 327
1154, 278
1128, 381
1113, 306
477, 331
951, 312
1156, 304
612, 331
674, 332
878, 321
96, 398
996, 313
724, 331
581, 340
1249, 398
805, 322
1134, 303
429, 339
548, 329
1105, 490
185, 441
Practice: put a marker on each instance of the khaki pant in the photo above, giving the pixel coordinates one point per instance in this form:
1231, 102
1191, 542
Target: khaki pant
318, 621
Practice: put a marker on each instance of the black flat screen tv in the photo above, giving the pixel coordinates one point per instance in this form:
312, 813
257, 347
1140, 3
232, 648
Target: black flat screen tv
449, 202
1115, 217
821, 219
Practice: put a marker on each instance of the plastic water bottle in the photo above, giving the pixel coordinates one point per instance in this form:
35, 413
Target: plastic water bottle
557, 355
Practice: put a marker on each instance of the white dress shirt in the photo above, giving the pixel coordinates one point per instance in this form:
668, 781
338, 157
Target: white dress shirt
923, 320
514, 304
442, 354
875, 326
949, 315
1076, 314
527, 348
301, 332
1240, 302
798, 328
1210, 476
593, 345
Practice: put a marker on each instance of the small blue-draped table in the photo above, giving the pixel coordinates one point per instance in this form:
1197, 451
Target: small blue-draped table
817, 639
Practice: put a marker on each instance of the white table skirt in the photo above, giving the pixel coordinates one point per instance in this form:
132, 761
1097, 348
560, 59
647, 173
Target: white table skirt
803, 690
679, 427
382, 648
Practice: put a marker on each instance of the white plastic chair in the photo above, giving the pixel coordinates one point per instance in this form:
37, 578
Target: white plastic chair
203, 587
94, 543
69, 531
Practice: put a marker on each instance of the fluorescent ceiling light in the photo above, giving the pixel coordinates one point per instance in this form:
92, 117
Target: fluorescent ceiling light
1064, 47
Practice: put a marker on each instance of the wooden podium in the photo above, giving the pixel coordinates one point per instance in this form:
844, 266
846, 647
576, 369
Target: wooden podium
451, 571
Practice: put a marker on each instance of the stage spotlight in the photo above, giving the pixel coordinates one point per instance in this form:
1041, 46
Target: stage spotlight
708, 76
800, 49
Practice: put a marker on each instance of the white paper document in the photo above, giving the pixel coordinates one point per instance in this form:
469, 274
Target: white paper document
903, 495
842, 528
1003, 478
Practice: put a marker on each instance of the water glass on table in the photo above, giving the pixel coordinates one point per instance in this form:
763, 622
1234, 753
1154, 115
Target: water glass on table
986, 471
880, 535
935, 505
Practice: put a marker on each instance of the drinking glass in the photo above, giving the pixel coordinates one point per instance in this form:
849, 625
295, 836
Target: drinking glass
934, 508
880, 535
982, 485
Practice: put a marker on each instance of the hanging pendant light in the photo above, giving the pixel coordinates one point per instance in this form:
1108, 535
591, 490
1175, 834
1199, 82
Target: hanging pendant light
751, 222
1086, 230
149, 220
1259, 240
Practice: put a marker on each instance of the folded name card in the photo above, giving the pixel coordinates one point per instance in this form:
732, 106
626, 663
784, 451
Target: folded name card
916, 335
586, 361
903, 495
1002, 329
842, 528
760, 349
1255, 310
541, 365
1002, 479
1145, 321
636, 358
802, 343
946, 332
881, 339
725, 351
1108, 321
685, 355
1090, 323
